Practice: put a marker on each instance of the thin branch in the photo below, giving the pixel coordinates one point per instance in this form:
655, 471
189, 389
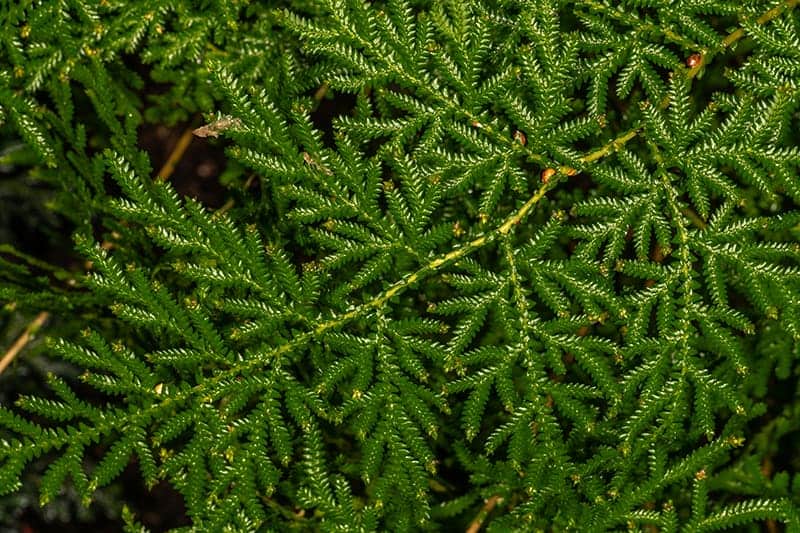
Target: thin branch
319, 95
23, 339
487, 508
763, 19
231, 202
737, 34
600, 153
176, 155
694, 217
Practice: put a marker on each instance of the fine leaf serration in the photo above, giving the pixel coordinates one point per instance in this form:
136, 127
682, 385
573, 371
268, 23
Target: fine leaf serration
535, 275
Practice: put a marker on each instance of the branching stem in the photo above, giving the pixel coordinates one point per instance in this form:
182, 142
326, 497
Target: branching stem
737, 34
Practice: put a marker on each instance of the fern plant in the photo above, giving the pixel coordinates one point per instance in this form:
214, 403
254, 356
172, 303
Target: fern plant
540, 272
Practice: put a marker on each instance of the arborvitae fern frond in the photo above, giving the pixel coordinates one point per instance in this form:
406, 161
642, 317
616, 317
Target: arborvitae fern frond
532, 276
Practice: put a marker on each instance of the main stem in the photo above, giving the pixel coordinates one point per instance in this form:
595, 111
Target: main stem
437, 264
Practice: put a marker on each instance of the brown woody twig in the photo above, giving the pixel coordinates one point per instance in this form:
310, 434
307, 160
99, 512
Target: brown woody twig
23, 339
487, 508
177, 153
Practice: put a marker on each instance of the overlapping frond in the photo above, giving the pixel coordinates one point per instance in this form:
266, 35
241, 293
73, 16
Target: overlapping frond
530, 265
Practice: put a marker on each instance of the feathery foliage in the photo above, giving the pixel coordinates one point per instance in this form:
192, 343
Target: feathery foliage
540, 272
